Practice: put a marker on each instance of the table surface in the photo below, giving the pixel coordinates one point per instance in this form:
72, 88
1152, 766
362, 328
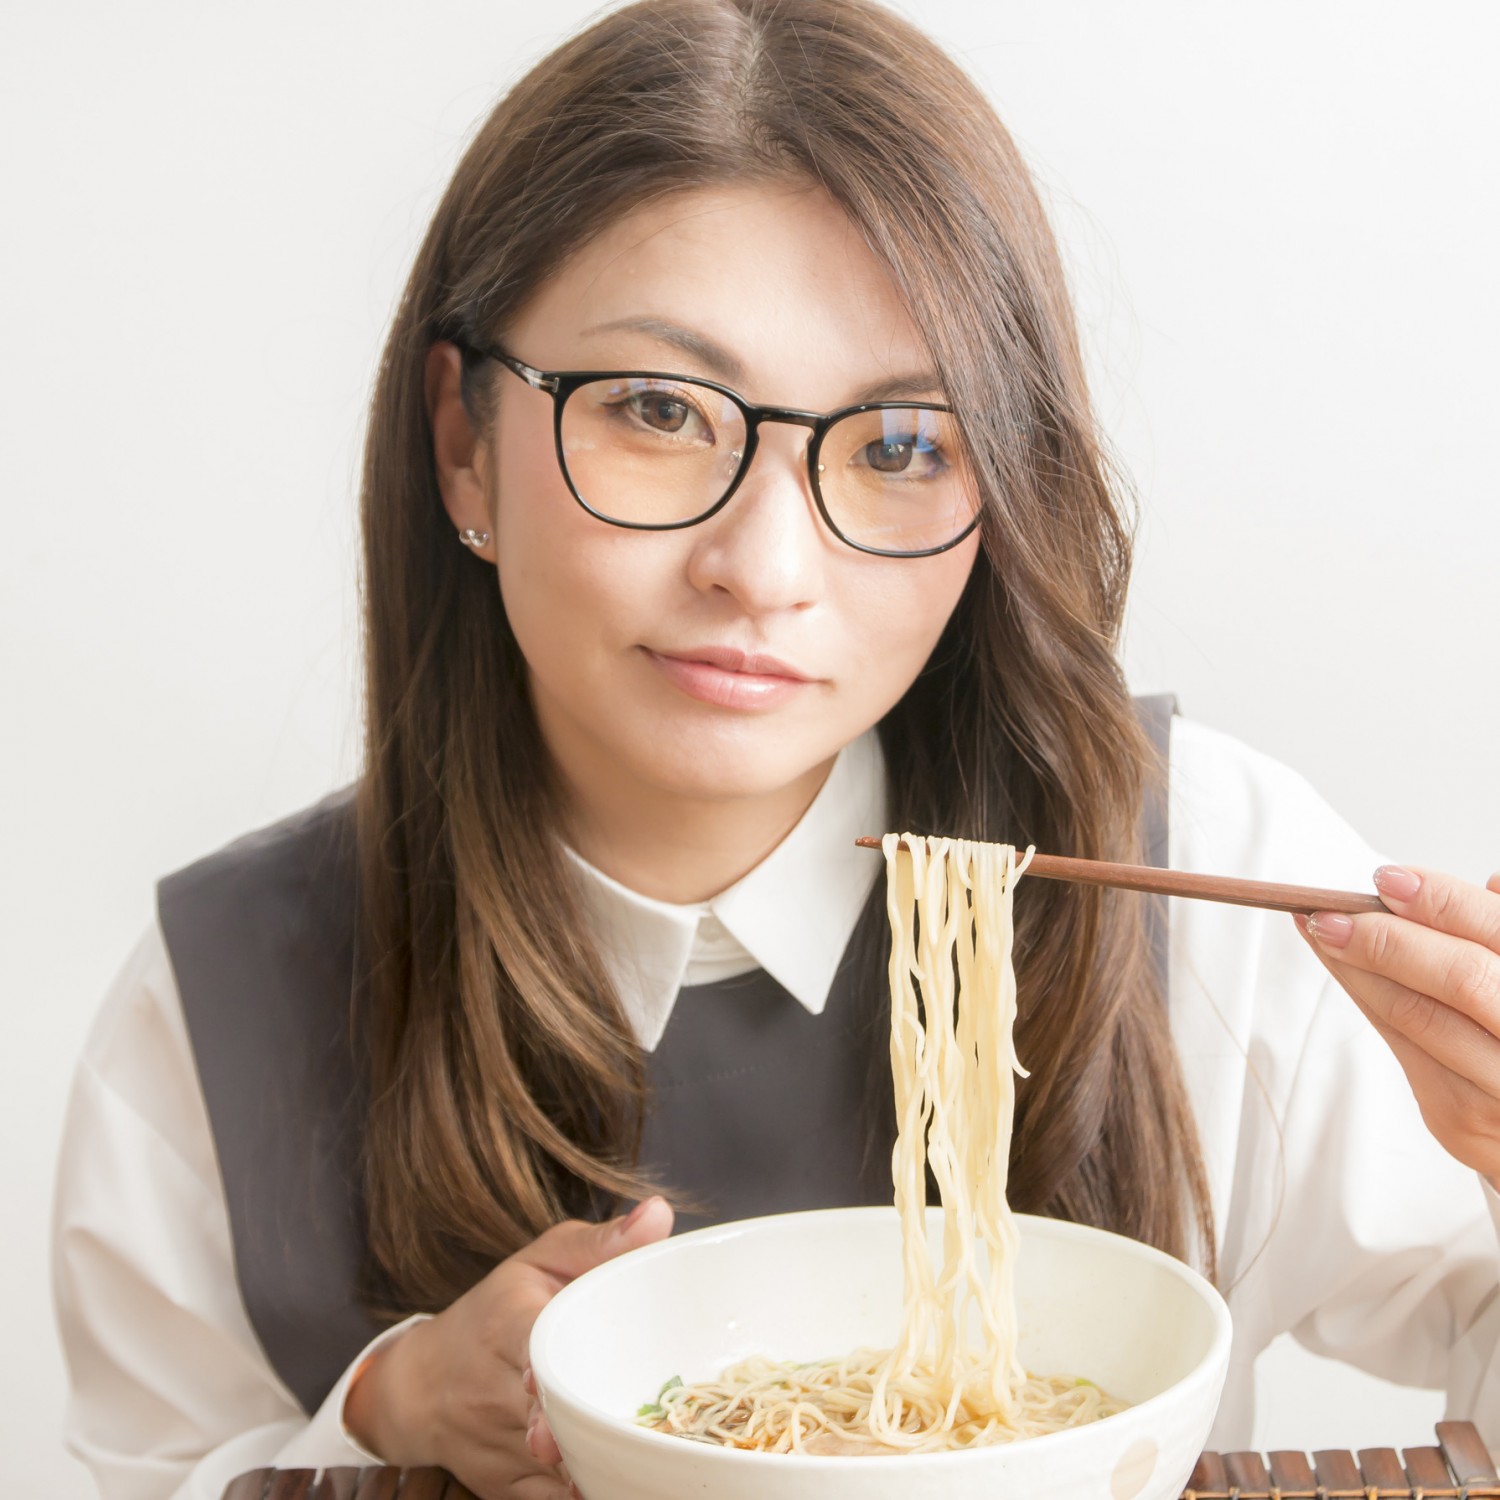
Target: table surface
1458, 1465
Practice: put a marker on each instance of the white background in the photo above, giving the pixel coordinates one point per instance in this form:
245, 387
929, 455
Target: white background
1281, 220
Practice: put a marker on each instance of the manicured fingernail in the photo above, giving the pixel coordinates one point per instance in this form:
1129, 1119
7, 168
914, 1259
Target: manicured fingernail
1331, 928
634, 1216
1397, 882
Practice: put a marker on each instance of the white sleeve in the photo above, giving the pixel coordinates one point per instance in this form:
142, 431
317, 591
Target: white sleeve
1340, 1218
1406, 1271
170, 1393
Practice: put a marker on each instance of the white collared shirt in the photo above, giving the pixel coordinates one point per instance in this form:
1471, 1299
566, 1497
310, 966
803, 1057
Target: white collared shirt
792, 915
1338, 1216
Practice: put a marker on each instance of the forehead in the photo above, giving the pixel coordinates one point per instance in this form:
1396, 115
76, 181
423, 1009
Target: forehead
774, 272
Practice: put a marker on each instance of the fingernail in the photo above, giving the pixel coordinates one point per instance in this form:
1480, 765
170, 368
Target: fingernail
1331, 928
634, 1216
531, 1438
528, 1381
1300, 919
1397, 882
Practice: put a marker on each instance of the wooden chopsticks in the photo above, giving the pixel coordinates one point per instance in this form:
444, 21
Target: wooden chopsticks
1263, 893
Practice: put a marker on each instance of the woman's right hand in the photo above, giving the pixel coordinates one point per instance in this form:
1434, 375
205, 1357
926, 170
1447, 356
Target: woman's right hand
450, 1391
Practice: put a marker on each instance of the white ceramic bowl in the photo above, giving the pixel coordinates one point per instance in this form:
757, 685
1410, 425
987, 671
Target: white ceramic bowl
812, 1285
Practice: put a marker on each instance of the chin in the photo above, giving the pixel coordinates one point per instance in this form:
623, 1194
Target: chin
715, 770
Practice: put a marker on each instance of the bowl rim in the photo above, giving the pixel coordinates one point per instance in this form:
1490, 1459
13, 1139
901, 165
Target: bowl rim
1210, 1367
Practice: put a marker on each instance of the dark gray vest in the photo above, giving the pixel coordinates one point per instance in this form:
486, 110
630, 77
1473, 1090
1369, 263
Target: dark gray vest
261, 937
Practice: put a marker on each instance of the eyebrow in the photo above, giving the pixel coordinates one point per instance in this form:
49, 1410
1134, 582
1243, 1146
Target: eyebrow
721, 363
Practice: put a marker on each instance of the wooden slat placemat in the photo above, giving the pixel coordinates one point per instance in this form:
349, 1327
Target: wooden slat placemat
1459, 1468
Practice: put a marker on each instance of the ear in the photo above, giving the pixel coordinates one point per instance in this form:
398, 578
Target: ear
460, 455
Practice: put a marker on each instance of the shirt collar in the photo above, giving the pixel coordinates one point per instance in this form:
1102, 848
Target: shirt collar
792, 915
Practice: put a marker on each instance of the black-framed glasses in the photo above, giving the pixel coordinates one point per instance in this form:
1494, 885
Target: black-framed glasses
656, 452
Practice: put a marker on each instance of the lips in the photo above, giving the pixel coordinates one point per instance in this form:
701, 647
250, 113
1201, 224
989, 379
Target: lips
728, 659
729, 678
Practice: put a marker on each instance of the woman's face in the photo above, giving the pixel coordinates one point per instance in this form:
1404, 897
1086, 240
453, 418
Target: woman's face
636, 640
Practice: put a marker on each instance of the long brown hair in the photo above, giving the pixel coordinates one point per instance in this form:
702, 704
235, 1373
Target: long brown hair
505, 1088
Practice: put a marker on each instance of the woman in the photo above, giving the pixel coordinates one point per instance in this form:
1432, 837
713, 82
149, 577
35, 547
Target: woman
731, 490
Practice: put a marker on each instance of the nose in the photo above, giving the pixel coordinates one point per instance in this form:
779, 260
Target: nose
767, 546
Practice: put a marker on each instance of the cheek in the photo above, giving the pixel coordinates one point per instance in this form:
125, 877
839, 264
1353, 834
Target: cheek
896, 614
539, 526
528, 495
539, 561
574, 588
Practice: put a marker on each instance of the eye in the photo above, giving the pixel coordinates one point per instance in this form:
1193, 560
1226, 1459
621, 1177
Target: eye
914, 455
663, 412
645, 409
887, 456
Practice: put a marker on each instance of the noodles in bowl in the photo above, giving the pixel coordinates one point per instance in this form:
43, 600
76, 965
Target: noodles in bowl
952, 1380
823, 1407
910, 1301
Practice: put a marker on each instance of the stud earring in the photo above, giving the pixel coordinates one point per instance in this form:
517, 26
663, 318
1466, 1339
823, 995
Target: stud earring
471, 538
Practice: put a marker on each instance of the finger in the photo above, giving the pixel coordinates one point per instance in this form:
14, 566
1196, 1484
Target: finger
1493, 883
518, 1295
539, 1486
493, 1420
508, 1472
535, 1484
1451, 1106
1457, 1112
524, 1283
541, 1443
1451, 1040
571, 1248
1443, 901
507, 1403
1462, 974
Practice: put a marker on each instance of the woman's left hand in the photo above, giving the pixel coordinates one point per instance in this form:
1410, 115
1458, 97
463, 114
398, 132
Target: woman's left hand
1428, 977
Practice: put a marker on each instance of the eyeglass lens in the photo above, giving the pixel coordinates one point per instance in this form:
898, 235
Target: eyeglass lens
654, 452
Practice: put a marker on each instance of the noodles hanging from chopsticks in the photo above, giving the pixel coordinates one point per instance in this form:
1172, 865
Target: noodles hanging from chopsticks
953, 1378
954, 1068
